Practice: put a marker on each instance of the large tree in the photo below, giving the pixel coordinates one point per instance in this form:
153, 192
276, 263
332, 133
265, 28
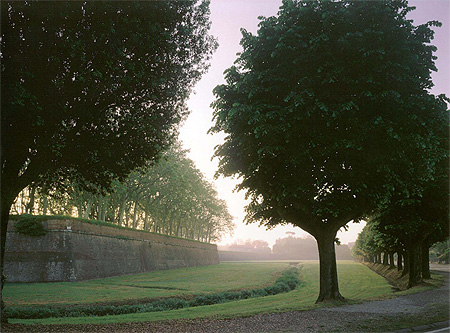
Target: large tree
324, 111
91, 90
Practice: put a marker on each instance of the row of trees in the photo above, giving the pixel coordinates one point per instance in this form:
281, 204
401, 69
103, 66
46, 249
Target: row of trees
171, 197
408, 227
328, 119
286, 248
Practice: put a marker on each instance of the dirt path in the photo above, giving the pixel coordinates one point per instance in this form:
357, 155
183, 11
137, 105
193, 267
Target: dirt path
366, 317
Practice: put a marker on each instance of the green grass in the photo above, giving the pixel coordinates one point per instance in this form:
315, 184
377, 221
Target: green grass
152, 285
357, 283
44, 218
287, 282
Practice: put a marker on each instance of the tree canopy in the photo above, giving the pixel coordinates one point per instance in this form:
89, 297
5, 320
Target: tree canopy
326, 114
92, 90
95, 89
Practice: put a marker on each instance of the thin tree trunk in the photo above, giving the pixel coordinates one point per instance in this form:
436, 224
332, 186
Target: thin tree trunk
145, 219
44, 205
391, 260
406, 263
329, 288
87, 212
385, 258
399, 261
30, 206
127, 215
121, 212
135, 215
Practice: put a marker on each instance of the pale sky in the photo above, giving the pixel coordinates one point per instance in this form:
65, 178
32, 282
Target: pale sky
227, 17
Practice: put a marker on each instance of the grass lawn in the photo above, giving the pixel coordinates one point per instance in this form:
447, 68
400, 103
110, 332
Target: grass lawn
169, 283
357, 283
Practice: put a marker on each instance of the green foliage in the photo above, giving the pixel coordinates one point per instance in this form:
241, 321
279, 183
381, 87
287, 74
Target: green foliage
30, 225
440, 252
286, 282
326, 112
170, 197
327, 115
112, 100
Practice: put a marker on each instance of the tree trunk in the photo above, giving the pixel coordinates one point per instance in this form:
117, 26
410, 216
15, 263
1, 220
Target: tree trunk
329, 288
8, 195
80, 209
87, 212
30, 206
44, 205
406, 263
121, 212
391, 260
177, 231
399, 261
135, 214
413, 265
425, 261
5, 208
101, 208
145, 219
385, 258
127, 215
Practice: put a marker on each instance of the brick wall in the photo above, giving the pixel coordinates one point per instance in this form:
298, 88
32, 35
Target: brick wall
75, 251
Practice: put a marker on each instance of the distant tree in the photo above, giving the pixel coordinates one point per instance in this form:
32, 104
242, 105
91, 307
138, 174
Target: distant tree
440, 252
256, 246
91, 90
325, 115
296, 247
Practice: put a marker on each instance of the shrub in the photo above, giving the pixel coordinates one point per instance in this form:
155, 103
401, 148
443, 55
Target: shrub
30, 225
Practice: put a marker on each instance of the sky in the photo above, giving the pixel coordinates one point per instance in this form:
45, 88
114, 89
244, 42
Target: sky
228, 17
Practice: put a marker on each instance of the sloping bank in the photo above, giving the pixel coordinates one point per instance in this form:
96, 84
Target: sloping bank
286, 282
392, 275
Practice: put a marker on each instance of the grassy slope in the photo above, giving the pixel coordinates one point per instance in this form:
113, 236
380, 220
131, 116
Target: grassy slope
357, 283
175, 282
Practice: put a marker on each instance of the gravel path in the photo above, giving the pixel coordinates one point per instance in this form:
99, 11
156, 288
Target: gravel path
342, 318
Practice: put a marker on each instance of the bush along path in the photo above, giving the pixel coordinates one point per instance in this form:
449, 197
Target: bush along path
286, 282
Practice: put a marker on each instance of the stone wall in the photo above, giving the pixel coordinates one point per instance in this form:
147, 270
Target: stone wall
75, 251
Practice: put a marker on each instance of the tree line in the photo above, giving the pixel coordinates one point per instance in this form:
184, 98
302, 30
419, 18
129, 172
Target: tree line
407, 228
286, 248
170, 197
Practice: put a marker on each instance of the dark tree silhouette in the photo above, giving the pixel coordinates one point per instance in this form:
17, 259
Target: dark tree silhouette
325, 115
91, 90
